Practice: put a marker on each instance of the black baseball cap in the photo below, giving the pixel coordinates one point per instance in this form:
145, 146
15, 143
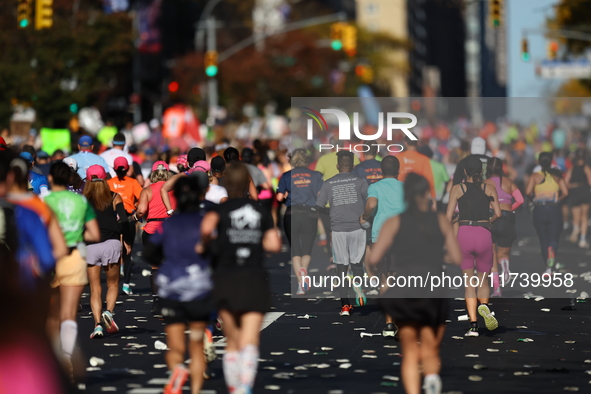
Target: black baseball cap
195, 155
218, 164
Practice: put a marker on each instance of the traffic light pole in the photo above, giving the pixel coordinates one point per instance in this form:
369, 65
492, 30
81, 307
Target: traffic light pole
212, 83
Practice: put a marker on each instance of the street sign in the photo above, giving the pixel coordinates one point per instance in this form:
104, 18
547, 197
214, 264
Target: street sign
579, 69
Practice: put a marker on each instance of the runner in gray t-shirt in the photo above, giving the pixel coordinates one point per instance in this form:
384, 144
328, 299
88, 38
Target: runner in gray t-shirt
346, 194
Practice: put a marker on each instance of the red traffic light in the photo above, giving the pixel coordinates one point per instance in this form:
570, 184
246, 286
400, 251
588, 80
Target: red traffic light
173, 86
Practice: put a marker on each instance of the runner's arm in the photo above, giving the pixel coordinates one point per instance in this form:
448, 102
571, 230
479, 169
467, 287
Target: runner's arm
428, 173
272, 240
252, 191
563, 188
208, 226
588, 174
60, 249
516, 193
168, 186
120, 209
453, 251
387, 234
494, 204
142, 206
453, 201
370, 207
529, 189
92, 233
568, 174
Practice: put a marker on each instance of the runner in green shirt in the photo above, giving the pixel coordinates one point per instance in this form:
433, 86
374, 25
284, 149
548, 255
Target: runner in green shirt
78, 223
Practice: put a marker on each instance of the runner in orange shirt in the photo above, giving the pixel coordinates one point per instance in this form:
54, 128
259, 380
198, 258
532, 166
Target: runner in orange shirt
413, 161
129, 189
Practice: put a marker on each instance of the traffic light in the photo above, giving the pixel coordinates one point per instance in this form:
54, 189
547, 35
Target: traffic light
495, 8
43, 14
336, 35
74, 108
24, 13
349, 40
552, 50
211, 63
524, 50
173, 87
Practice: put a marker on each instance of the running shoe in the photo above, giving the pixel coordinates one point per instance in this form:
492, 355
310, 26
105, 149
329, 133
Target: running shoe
127, 289
346, 310
390, 331
551, 257
432, 384
490, 321
506, 277
497, 292
208, 348
547, 272
372, 292
322, 242
360, 298
472, 331
97, 332
305, 283
300, 291
178, 377
109, 322
583, 244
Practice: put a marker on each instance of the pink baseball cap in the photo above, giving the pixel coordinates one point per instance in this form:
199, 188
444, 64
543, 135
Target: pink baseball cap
201, 165
160, 165
121, 162
97, 171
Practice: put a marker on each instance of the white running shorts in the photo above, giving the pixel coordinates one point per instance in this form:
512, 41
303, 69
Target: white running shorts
348, 247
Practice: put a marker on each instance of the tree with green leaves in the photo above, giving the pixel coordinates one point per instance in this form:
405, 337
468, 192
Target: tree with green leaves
83, 58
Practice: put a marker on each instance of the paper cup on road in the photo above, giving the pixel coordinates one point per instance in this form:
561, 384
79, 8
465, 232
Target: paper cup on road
159, 345
96, 362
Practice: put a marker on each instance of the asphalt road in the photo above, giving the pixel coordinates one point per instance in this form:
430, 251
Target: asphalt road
326, 353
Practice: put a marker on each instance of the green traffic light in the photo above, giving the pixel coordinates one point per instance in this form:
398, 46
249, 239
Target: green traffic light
337, 45
211, 71
24, 23
525, 57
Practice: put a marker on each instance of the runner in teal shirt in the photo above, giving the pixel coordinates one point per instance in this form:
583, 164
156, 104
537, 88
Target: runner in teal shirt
385, 198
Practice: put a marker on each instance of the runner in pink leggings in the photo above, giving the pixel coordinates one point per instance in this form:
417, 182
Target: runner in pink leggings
474, 198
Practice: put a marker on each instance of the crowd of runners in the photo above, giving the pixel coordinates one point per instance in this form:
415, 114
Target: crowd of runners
207, 218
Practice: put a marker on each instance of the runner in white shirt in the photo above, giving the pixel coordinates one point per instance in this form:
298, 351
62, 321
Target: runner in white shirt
215, 193
116, 151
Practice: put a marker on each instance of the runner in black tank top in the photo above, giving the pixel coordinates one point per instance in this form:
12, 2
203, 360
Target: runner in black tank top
474, 199
241, 291
579, 196
418, 236
106, 254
